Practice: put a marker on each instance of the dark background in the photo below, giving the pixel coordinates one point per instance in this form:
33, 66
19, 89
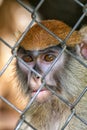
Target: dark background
65, 10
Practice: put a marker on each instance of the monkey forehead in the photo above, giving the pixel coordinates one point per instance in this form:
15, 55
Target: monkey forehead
38, 38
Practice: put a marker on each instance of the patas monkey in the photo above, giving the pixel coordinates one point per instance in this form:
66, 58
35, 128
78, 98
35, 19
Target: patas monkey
67, 78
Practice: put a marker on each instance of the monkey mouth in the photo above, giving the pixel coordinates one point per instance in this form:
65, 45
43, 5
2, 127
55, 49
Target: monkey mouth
42, 95
42, 90
49, 88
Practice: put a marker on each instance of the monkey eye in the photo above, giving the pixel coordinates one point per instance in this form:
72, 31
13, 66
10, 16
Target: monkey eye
49, 57
27, 58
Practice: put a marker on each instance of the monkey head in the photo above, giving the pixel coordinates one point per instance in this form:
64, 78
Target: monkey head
38, 50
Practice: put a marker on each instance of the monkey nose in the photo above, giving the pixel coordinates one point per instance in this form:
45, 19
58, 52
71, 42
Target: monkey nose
36, 77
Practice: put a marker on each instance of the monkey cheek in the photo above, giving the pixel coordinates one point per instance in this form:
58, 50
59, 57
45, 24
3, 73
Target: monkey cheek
43, 96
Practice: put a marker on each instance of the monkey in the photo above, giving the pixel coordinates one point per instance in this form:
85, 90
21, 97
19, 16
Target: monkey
67, 77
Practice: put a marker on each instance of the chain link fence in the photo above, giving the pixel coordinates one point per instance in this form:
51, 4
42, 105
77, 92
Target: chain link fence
72, 106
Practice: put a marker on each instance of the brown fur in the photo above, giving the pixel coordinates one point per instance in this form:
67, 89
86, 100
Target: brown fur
42, 39
13, 19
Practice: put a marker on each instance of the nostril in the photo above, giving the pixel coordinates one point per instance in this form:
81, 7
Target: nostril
37, 76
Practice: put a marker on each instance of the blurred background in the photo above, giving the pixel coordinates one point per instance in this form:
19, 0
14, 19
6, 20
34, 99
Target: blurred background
66, 10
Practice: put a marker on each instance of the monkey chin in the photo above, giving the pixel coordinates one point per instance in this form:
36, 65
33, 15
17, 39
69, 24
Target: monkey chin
43, 95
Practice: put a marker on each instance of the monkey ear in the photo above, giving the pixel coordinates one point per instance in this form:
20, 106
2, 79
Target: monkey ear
83, 44
83, 50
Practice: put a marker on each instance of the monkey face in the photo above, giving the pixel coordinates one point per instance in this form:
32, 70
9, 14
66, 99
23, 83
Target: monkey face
38, 50
40, 61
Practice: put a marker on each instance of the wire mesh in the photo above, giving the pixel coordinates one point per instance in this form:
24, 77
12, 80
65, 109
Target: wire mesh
71, 106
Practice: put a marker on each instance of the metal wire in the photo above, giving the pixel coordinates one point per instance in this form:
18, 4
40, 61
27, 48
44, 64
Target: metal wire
71, 106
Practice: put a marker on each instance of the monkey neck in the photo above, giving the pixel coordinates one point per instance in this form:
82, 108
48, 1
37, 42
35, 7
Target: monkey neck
46, 116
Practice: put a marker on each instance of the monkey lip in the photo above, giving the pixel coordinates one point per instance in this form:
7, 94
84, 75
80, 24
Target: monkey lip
42, 95
42, 90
